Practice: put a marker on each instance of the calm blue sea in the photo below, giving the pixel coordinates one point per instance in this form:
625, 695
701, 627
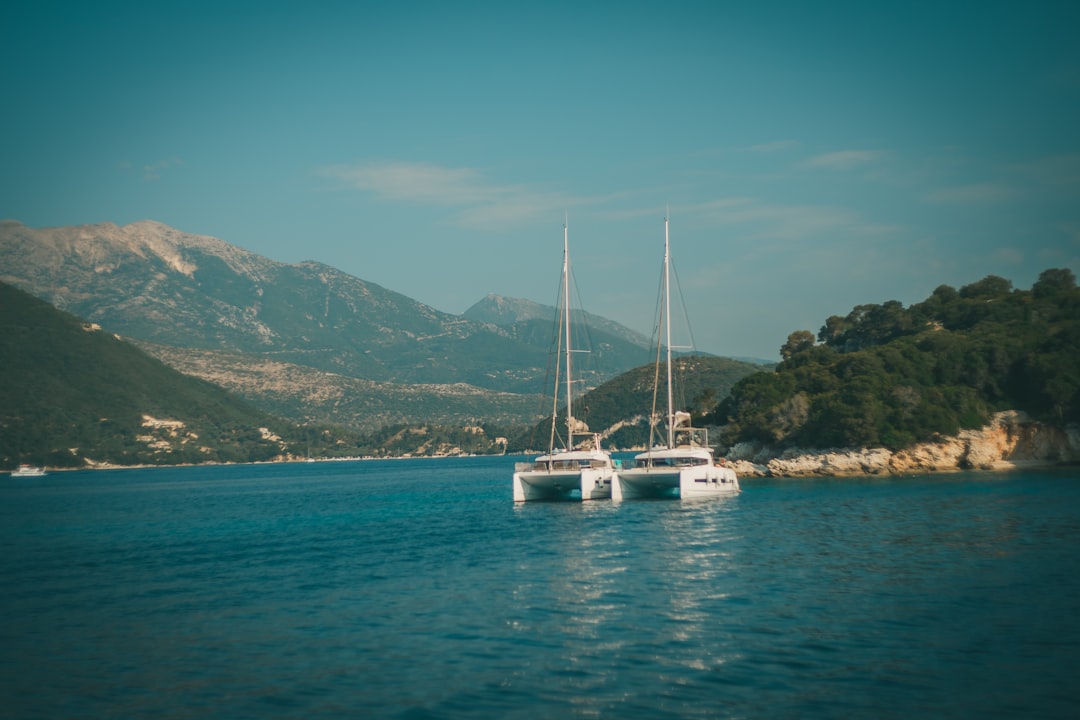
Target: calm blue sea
417, 589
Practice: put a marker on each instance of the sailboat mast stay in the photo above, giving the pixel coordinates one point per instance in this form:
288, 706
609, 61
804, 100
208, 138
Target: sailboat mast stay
566, 322
667, 328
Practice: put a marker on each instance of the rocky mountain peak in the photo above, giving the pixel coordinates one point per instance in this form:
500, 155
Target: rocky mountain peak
500, 310
104, 248
506, 312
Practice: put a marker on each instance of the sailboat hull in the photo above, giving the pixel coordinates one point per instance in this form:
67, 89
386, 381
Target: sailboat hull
585, 484
691, 482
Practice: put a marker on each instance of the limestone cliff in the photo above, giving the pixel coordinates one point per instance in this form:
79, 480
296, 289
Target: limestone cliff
1012, 439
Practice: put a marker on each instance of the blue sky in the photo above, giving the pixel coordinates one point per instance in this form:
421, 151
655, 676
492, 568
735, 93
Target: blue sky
814, 156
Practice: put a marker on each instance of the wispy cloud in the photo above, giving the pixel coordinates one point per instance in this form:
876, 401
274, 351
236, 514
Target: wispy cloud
843, 159
772, 220
418, 182
775, 146
1008, 256
1072, 232
478, 202
154, 171
973, 194
1054, 170
150, 171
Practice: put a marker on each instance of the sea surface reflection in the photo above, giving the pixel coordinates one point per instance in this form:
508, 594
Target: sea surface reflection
418, 589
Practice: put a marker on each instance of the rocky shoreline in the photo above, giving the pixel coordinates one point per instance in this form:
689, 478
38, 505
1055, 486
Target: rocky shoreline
1011, 440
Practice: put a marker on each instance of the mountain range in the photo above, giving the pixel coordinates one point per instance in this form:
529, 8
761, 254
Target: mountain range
305, 341
73, 392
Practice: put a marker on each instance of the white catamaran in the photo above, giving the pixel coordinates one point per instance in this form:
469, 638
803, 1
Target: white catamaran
568, 473
684, 467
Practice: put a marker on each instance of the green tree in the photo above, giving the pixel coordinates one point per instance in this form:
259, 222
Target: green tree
992, 286
1054, 282
797, 342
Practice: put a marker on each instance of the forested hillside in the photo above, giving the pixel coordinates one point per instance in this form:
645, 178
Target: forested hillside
890, 376
71, 395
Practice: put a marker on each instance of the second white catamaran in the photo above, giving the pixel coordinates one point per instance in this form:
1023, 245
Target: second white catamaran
684, 466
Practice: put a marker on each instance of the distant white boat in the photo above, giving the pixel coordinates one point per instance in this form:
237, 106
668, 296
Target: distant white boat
570, 473
684, 466
28, 471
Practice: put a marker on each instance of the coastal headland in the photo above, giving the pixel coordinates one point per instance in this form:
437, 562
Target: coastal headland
1011, 440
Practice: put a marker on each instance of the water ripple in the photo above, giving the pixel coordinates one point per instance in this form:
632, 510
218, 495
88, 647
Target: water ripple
417, 589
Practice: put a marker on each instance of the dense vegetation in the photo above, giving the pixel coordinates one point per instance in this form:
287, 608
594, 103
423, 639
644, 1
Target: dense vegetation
72, 394
429, 439
890, 376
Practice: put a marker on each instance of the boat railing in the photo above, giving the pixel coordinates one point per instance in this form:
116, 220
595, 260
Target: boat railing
692, 436
673, 462
550, 465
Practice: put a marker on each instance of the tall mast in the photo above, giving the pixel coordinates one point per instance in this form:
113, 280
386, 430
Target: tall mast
566, 321
667, 328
